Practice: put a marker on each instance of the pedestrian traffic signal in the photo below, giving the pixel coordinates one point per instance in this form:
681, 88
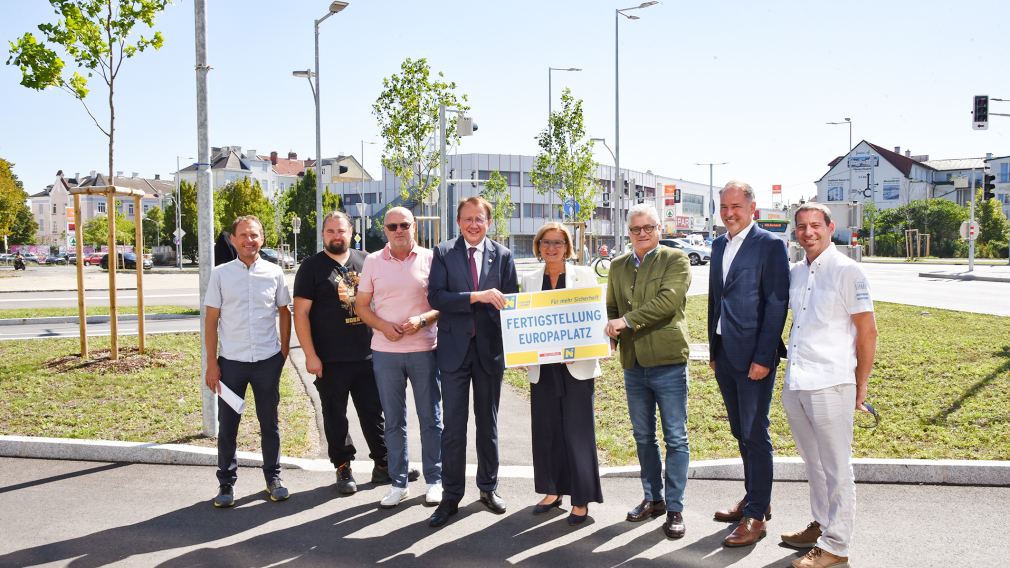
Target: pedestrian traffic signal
988, 187
676, 195
980, 114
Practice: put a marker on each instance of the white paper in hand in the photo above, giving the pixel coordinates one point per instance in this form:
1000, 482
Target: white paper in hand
231, 399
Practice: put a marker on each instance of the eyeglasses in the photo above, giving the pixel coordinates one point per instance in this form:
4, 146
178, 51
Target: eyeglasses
473, 220
547, 243
638, 230
392, 227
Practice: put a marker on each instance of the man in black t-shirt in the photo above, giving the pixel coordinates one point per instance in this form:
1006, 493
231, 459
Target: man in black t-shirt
337, 347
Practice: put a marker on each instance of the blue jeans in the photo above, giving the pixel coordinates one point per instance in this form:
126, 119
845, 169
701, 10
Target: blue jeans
391, 373
664, 386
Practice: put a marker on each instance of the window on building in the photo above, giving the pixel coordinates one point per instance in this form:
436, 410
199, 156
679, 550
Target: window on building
129, 209
512, 178
54, 227
603, 213
527, 179
692, 204
54, 208
1004, 172
835, 193
101, 207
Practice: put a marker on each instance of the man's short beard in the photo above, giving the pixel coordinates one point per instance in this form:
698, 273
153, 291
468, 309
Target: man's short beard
336, 247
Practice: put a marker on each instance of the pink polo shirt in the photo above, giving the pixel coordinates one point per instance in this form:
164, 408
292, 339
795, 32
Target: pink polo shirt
399, 290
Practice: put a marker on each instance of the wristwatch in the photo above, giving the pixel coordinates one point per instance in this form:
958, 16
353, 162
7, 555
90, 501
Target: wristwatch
424, 322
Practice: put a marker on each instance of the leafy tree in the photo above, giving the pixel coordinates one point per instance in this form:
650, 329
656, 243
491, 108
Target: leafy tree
244, 197
301, 201
96, 35
407, 113
16, 219
190, 244
496, 191
96, 231
152, 223
565, 162
992, 222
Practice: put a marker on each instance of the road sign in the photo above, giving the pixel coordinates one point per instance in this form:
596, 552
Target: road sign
969, 230
296, 225
179, 233
357, 238
571, 207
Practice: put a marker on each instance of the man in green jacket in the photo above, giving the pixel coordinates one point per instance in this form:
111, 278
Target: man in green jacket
646, 297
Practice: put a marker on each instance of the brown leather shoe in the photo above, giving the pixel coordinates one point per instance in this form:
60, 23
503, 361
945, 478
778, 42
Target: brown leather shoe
820, 558
748, 532
806, 538
735, 513
647, 510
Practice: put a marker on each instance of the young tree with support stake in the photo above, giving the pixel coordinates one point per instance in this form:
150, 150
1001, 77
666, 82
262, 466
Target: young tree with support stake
496, 192
565, 163
407, 112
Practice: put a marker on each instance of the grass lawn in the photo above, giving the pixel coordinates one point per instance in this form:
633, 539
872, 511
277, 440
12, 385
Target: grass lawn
19, 313
49, 391
940, 383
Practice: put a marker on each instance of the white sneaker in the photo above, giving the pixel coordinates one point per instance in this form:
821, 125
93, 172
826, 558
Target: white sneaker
393, 498
434, 494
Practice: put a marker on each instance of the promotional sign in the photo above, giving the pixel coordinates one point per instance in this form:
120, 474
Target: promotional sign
554, 326
776, 189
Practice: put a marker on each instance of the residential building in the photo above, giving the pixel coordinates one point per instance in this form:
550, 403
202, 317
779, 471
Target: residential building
1000, 167
53, 207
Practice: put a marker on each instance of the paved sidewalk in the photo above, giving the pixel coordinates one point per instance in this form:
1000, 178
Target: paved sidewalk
60, 513
982, 272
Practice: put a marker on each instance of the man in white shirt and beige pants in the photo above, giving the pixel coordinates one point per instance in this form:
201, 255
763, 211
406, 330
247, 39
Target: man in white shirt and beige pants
243, 300
831, 349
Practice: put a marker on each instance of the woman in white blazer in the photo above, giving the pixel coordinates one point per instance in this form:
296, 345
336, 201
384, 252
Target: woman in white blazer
561, 395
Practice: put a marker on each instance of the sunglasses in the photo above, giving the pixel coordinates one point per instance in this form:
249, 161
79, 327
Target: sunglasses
638, 230
392, 227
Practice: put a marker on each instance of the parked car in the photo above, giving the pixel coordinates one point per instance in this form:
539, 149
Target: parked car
272, 255
31, 257
94, 259
697, 254
127, 260
55, 260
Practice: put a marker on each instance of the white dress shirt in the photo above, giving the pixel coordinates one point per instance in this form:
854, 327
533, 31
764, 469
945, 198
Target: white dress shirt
823, 296
248, 298
733, 245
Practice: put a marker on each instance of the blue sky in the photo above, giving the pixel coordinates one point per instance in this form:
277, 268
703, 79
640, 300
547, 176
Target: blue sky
744, 82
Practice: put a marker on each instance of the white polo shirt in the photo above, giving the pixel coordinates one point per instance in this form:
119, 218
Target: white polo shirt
248, 298
823, 296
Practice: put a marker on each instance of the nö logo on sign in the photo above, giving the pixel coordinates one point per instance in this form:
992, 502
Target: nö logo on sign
569, 353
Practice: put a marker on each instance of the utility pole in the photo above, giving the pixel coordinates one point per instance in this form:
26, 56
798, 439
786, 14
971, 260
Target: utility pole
205, 207
971, 223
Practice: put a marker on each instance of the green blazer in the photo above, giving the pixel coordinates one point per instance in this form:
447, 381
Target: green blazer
652, 298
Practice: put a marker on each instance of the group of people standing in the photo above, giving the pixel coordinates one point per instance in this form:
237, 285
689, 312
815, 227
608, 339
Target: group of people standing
368, 324
751, 287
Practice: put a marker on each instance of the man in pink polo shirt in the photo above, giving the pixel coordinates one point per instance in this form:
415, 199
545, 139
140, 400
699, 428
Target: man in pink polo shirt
393, 300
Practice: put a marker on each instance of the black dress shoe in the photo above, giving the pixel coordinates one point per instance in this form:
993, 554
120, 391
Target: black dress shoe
540, 508
647, 510
574, 519
493, 502
441, 515
674, 525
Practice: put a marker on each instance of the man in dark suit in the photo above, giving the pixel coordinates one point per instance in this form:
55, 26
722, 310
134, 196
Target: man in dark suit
469, 278
748, 293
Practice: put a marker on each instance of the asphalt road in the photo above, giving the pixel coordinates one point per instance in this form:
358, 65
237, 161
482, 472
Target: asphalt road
82, 514
50, 330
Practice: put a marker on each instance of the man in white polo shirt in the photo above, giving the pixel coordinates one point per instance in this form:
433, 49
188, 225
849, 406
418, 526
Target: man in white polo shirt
393, 300
243, 299
831, 349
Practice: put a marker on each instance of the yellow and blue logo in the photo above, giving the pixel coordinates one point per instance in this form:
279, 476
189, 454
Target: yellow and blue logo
510, 303
569, 353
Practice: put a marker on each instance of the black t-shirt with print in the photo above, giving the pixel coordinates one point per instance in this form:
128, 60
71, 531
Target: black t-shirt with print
338, 333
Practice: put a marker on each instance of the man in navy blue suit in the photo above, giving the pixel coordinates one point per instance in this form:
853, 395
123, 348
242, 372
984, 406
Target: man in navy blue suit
469, 278
748, 293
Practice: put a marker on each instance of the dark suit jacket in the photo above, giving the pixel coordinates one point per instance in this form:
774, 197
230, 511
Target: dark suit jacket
752, 302
449, 287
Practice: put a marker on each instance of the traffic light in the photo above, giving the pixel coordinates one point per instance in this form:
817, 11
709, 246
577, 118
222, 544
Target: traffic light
676, 195
980, 114
988, 187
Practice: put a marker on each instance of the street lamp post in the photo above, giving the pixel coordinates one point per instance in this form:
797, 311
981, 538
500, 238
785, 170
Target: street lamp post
361, 187
178, 214
296, 227
613, 202
619, 190
335, 7
550, 102
849, 122
711, 196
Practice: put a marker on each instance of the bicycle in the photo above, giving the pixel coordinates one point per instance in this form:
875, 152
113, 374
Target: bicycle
601, 265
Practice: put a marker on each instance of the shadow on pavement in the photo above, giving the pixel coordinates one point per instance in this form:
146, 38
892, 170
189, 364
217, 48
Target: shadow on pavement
62, 476
189, 526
